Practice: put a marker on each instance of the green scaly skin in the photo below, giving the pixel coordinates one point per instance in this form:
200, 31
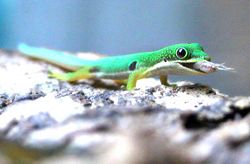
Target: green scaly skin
129, 68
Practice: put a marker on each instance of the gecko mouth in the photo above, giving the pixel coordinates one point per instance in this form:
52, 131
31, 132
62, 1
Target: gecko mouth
178, 68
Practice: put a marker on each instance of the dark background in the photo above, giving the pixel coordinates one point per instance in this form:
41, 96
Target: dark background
126, 26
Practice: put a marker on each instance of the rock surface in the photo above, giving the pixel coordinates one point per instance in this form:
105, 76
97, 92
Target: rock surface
48, 121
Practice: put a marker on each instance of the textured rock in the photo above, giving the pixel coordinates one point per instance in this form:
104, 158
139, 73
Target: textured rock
45, 120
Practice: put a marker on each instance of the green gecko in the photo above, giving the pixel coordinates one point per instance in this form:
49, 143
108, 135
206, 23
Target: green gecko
176, 59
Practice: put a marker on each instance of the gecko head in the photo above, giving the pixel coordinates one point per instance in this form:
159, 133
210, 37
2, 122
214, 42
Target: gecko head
186, 55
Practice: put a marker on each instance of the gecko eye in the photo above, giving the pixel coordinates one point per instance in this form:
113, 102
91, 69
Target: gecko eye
181, 53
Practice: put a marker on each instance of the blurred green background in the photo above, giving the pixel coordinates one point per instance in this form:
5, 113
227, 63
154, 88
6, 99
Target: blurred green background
120, 27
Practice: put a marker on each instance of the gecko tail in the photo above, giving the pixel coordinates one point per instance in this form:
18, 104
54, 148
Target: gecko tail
62, 59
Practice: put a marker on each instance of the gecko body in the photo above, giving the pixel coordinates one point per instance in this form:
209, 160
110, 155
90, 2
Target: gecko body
176, 59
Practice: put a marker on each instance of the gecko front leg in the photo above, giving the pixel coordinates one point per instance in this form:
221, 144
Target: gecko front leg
134, 77
164, 80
